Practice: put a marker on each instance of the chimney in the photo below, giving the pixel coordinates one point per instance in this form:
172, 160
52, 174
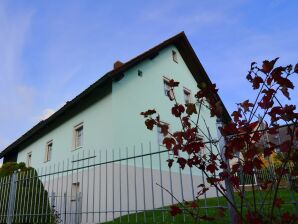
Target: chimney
117, 64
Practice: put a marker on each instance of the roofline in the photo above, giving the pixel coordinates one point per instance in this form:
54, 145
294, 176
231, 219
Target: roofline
180, 41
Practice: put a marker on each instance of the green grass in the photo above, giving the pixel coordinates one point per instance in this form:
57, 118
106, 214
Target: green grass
159, 216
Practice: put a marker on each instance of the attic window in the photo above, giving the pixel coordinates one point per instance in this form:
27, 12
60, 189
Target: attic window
175, 56
140, 73
167, 89
187, 95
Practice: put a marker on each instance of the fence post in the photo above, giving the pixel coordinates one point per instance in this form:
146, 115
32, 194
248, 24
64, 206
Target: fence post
11, 199
228, 184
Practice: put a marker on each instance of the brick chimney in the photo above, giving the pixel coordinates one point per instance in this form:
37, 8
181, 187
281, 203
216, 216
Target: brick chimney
117, 64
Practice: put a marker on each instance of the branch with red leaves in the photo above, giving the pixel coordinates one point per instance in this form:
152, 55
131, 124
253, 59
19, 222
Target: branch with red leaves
246, 147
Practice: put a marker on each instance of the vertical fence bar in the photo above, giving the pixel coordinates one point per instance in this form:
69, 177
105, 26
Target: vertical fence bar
88, 171
71, 189
61, 192
99, 201
143, 177
181, 188
32, 209
127, 185
120, 201
113, 182
152, 189
135, 181
80, 200
76, 189
160, 179
106, 185
93, 188
11, 199
40, 185
66, 190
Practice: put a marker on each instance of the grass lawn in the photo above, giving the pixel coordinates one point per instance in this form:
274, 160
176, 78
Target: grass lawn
163, 216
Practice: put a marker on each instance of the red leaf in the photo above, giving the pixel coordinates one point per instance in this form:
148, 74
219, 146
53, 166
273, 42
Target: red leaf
288, 218
148, 113
268, 151
170, 162
246, 105
237, 115
177, 110
191, 109
257, 81
248, 168
175, 210
194, 204
296, 68
278, 202
182, 162
212, 168
150, 123
168, 142
268, 65
173, 83
285, 91
254, 218
221, 212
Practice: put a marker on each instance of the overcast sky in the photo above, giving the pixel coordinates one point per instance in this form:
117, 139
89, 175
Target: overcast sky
50, 51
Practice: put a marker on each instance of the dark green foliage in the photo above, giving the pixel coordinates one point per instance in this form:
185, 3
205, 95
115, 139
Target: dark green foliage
31, 199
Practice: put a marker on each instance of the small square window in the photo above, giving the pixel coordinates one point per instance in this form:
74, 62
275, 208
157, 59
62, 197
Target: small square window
140, 73
78, 136
167, 89
29, 159
187, 95
49, 149
175, 56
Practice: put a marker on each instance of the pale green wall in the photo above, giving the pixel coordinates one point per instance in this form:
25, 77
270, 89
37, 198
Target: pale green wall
115, 122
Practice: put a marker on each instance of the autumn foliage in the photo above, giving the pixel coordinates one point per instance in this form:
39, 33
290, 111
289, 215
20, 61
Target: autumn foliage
244, 142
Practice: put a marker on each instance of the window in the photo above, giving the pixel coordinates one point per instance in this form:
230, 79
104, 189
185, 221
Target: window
78, 136
75, 189
167, 89
140, 73
29, 159
187, 95
175, 56
160, 135
49, 149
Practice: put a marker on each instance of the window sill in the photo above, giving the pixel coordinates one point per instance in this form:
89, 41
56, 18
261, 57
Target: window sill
77, 148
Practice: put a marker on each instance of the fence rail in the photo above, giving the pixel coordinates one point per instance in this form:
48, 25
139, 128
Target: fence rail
101, 186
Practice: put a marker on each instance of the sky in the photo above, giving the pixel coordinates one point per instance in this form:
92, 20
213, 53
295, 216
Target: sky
50, 51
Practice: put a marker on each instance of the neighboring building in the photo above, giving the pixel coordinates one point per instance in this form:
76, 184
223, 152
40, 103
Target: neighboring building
107, 116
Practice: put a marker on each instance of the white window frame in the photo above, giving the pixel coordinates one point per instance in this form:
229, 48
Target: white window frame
187, 95
76, 142
29, 159
168, 91
175, 56
49, 151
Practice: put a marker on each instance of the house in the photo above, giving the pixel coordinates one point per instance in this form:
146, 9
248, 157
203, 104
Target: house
107, 116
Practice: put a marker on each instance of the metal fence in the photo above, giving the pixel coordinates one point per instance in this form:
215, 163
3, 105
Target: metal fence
102, 186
